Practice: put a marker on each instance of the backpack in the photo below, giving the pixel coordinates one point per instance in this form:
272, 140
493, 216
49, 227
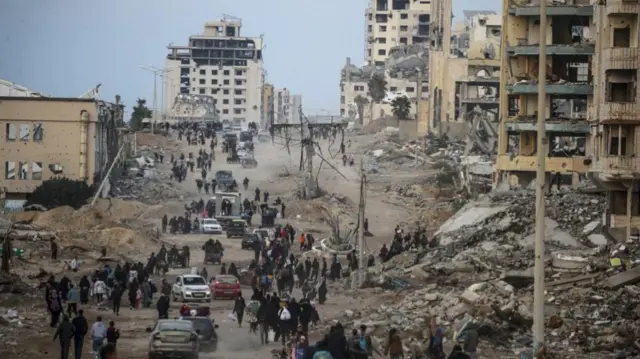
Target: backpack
322, 354
254, 306
284, 314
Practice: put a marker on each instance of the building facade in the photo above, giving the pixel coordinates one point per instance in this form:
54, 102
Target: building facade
614, 112
48, 137
268, 105
569, 87
391, 23
222, 64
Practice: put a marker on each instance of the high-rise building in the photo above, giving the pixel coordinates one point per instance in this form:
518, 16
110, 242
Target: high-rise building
268, 105
222, 65
282, 105
391, 23
569, 89
614, 112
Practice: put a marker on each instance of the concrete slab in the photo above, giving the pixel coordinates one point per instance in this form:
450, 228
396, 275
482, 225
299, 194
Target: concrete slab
629, 277
470, 214
553, 233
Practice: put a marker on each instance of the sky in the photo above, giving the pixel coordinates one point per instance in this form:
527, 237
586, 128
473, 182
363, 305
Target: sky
65, 47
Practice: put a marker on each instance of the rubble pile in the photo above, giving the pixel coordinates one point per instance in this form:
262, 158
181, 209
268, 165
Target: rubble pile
482, 270
143, 180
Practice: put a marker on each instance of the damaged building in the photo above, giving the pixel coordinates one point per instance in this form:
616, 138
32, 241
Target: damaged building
615, 124
569, 88
391, 23
45, 137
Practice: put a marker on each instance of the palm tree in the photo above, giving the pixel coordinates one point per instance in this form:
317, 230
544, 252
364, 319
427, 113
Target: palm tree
401, 107
377, 87
360, 102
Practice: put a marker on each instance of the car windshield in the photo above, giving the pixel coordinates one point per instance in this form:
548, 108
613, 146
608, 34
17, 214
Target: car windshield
210, 221
175, 326
202, 324
194, 281
227, 280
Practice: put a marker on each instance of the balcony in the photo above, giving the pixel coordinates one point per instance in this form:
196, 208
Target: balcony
616, 112
482, 81
553, 164
621, 58
480, 101
568, 50
555, 126
552, 89
553, 10
615, 7
617, 167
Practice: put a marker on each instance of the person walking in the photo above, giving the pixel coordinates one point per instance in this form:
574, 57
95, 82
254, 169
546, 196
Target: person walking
113, 334
80, 329
64, 333
238, 308
98, 333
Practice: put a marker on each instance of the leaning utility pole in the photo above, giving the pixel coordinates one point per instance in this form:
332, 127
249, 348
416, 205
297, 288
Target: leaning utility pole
538, 287
361, 255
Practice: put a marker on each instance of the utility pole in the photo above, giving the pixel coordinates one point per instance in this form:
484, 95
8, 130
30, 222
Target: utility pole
538, 287
361, 255
155, 101
418, 98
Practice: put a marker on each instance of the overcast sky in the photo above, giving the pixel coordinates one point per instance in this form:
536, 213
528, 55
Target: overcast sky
65, 47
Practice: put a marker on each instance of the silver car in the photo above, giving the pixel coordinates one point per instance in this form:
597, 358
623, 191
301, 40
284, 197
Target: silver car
172, 338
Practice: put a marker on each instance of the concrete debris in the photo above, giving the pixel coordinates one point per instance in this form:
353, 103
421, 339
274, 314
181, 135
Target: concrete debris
483, 268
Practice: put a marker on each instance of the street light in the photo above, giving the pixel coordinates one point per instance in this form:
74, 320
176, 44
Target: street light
156, 71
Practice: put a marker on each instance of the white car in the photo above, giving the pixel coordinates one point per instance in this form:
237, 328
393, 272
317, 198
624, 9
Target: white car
211, 225
191, 288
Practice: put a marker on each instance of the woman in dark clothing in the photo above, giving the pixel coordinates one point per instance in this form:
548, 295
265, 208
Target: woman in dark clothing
133, 290
233, 270
238, 309
84, 290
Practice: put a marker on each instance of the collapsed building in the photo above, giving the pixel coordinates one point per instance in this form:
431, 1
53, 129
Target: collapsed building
569, 87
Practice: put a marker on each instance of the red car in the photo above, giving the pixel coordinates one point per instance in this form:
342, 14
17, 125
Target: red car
225, 286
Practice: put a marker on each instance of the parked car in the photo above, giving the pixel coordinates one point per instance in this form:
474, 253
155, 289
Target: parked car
225, 286
211, 225
206, 332
173, 338
190, 288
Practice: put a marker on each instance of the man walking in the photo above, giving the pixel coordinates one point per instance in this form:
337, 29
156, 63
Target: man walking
64, 333
98, 333
80, 329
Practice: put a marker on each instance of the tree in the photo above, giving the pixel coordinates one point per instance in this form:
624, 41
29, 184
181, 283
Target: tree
377, 87
401, 106
360, 102
140, 112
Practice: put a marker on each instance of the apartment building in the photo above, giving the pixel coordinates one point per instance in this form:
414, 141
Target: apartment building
44, 137
615, 112
391, 23
222, 64
569, 87
268, 105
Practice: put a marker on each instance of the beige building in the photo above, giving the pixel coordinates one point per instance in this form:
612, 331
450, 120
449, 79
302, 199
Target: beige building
614, 112
569, 87
268, 105
220, 64
391, 23
44, 137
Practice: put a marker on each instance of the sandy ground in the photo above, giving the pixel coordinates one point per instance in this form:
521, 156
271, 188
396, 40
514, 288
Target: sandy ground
234, 341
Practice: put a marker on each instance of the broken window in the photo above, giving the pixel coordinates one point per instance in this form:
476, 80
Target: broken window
12, 132
24, 170
404, 28
513, 106
567, 145
383, 28
56, 168
616, 139
569, 30
9, 170
24, 132
381, 40
37, 132
621, 86
409, 89
622, 37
